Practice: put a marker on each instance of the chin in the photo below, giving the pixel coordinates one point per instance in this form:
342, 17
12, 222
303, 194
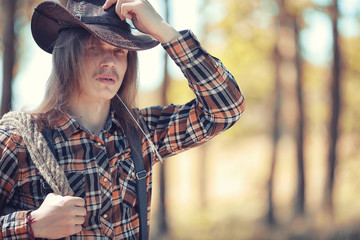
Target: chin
108, 95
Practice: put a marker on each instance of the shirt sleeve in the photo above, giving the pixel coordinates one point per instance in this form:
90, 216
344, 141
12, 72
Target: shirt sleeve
13, 223
217, 106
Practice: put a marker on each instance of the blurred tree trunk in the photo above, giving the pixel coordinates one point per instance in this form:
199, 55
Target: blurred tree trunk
9, 55
300, 190
287, 53
336, 107
162, 228
162, 225
270, 215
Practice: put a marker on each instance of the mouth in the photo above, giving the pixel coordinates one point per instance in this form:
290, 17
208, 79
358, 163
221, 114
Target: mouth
107, 78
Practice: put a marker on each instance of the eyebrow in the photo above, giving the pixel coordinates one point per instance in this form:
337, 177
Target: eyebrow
98, 42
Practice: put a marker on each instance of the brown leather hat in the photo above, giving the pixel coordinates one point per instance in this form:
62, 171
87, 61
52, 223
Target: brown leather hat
49, 18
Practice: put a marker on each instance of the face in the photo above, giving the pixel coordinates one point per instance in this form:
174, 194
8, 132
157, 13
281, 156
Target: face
102, 71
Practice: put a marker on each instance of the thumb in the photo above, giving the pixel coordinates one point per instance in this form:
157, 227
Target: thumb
108, 4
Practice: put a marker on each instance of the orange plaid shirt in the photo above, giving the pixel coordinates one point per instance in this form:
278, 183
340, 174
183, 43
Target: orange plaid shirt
100, 168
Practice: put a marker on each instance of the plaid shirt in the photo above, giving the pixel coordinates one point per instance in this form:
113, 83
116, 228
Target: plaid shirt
100, 168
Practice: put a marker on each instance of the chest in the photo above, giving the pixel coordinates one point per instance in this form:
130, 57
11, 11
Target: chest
101, 171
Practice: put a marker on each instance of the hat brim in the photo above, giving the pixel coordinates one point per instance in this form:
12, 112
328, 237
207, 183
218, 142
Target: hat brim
49, 17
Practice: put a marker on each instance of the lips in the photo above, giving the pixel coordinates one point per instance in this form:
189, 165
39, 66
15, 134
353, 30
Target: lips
107, 78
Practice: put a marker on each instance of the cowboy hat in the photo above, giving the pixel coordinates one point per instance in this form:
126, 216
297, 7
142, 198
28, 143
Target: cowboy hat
49, 18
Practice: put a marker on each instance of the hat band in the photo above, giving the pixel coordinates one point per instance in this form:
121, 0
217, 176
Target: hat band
103, 21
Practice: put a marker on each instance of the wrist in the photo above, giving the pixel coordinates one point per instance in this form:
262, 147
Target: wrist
166, 33
35, 224
30, 220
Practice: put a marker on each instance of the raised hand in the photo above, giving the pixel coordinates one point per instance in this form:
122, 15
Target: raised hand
144, 17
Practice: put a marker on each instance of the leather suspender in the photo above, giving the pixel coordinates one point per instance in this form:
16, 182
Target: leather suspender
136, 150
46, 132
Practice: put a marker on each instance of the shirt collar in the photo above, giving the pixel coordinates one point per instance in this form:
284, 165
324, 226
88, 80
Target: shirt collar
67, 125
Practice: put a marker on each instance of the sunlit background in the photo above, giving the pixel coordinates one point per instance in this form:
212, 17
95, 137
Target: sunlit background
244, 184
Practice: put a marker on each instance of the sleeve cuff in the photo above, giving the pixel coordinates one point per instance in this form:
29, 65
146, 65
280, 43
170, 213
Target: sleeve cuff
185, 49
15, 226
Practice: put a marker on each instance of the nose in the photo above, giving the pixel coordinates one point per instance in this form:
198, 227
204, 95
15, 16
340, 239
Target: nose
108, 60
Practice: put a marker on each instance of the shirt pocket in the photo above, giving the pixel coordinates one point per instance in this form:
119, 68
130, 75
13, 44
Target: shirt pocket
127, 182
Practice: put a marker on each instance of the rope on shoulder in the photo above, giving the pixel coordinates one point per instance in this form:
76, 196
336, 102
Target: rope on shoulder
39, 151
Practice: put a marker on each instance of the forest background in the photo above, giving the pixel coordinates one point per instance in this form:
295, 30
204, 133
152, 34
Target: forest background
287, 169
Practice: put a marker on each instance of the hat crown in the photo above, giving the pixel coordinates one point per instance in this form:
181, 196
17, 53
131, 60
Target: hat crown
91, 12
86, 7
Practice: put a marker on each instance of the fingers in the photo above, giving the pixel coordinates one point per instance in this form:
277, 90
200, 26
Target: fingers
78, 201
144, 17
59, 216
71, 230
73, 201
66, 201
79, 211
108, 4
77, 228
124, 9
75, 205
79, 220
127, 10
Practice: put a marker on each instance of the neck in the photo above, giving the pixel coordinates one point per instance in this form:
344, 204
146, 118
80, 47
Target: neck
91, 115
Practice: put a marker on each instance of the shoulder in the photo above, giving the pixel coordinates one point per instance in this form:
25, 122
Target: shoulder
10, 137
11, 130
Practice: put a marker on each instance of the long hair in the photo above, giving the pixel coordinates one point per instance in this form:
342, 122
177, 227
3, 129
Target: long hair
67, 56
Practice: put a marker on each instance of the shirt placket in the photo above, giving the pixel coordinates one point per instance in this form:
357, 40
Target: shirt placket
105, 185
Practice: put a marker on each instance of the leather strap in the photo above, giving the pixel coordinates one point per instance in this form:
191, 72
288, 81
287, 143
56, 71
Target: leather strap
47, 133
136, 150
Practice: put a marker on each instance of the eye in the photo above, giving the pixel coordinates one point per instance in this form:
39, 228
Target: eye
119, 50
92, 48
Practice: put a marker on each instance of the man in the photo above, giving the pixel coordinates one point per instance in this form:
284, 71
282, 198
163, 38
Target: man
87, 108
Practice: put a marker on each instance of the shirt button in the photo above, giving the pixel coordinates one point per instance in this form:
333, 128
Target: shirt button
105, 215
